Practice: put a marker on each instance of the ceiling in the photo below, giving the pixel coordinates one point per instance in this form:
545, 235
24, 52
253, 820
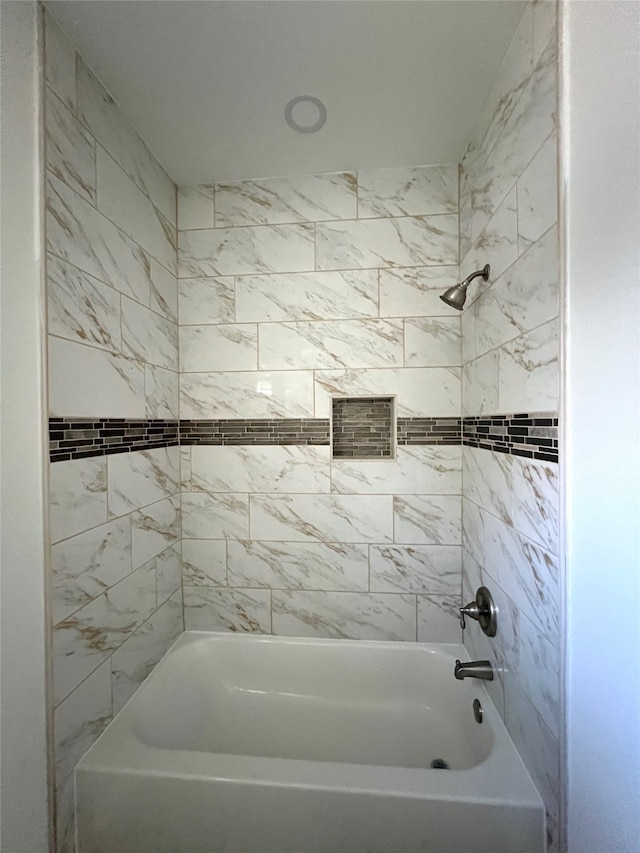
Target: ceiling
205, 82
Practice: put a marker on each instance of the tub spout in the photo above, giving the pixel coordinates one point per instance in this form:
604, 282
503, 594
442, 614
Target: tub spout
474, 669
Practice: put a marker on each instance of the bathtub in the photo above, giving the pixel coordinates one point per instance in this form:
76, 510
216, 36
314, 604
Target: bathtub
253, 744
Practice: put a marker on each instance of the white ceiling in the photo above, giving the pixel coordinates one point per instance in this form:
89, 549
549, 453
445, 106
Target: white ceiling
205, 82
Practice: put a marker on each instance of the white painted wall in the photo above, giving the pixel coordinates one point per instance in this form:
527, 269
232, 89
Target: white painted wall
23, 715
601, 124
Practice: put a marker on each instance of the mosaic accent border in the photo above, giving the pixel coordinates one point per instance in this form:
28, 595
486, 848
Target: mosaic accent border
255, 431
429, 431
76, 438
361, 427
533, 435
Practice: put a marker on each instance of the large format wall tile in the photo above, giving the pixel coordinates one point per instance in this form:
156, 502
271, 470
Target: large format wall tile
140, 478
433, 569
529, 371
206, 300
70, 149
77, 496
59, 61
432, 342
154, 528
432, 469
438, 618
240, 610
258, 394
195, 207
204, 562
218, 516
416, 292
220, 347
427, 519
408, 192
148, 337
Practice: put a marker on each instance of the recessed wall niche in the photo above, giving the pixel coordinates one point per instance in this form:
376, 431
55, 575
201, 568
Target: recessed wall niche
363, 428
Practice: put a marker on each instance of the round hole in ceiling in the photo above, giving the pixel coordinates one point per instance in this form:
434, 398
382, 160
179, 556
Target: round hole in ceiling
305, 113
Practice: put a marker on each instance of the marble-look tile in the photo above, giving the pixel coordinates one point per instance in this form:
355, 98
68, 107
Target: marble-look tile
81, 719
545, 13
77, 496
82, 641
427, 569
86, 565
242, 251
408, 191
408, 241
468, 333
259, 394
324, 518
432, 342
344, 615
70, 149
154, 528
537, 671
536, 502
79, 234
140, 478
497, 245
161, 392
538, 195
260, 468
138, 656
529, 371
102, 116
204, 562
228, 346
438, 618
416, 469
298, 565
123, 202
59, 61
480, 386
299, 198
81, 308
473, 533
488, 481
219, 516
427, 519
195, 207
246, 611
419, 391
164, 291
65, 816
185, 468
343, 295
168, 573
206, 300
148, 337
416, 292
334, 344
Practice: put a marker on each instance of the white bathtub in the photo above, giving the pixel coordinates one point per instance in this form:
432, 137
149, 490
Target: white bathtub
247, 744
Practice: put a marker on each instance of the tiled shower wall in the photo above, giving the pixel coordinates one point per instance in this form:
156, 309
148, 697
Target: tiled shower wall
115, 588
292, 290
510, 365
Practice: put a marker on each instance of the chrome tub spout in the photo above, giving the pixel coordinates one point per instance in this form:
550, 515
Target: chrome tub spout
474, 669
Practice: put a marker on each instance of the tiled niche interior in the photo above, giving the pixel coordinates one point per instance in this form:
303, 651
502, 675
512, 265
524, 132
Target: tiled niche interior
362, 427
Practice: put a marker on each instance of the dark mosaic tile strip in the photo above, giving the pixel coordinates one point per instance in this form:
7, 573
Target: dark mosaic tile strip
256, 431
533, 435
428, 431
77, 438
361, 428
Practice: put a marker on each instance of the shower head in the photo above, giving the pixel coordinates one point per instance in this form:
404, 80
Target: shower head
455, 296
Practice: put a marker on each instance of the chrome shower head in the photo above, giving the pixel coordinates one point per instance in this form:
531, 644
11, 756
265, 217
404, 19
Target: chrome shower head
455, 296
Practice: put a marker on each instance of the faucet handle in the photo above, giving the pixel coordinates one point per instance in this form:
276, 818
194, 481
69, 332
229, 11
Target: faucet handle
483, 610
470, 610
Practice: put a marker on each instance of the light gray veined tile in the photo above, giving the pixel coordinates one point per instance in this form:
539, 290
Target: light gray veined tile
154, 528
408, 191
149, 337
161, 392
168, 573
77, 496
438, 618
70, 149
416, 292
529, 371
206, 300
228, 346
536, 501
66, 816
195, 207
427, 519
141, 477
59, 61
215, 516
416, 469
432, 342
164, 291
480, 386
204, 562
240, 610
256, 394
538, 195
496, 245
488, 480
427, 569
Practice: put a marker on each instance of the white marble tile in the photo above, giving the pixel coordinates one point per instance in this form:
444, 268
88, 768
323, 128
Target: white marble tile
154, 528
298, 565
70, 149
65, 816
242, 251
164, 291
538, 195
538, 672
465, 224
496, 245
228, 346
140, 478
260, 468
299, 198
81, 719
488, 481
185, 468
77, 496
529, 371
121, 201
344, 615
427, 569
432, 342
259, 394
245, 611
59, 61
438, 619
219, 516
480, 386
343, 295
161, 392
81, 308
427, 519
138, 655
169, 573
536, 502
206, 300
473, 532
204, 562
416, 469
407, 241
545, 13
148, 337
408, 191
85, 639
84, 380
416, 292
102, 116
86, 565
77, 232
468, 333
419, 391
334, 344
324, 518
195, 207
